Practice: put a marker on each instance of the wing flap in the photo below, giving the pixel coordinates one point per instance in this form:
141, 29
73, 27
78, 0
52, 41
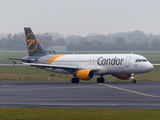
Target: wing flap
60, 66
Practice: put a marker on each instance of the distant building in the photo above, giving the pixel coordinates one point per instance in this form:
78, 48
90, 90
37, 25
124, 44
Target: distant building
47, 40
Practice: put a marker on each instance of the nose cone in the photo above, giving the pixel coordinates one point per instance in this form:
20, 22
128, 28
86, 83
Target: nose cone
149, 67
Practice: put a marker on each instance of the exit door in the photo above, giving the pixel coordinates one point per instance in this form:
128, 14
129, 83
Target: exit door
127, 62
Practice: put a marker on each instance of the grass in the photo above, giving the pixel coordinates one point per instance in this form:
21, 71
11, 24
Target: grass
11, 54
28, 73
77, 114
152, 56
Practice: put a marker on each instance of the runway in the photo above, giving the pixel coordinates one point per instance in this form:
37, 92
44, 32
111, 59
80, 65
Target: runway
83, 95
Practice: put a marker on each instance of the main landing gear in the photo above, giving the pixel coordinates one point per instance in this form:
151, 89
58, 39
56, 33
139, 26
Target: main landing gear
100, 80
75, 80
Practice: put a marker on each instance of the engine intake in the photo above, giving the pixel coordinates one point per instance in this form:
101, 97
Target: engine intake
84, 74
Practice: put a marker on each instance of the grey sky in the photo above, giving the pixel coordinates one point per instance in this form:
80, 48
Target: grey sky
80, 17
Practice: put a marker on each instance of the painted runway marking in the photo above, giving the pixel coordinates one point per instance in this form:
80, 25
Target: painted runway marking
130, 91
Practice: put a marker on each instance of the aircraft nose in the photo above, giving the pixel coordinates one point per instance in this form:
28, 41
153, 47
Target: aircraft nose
149, 67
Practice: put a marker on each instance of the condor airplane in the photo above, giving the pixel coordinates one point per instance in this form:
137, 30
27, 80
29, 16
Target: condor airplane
85, 66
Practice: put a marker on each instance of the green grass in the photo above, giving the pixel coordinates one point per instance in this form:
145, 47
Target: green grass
152, 56
28, 73
77, 114
9, 54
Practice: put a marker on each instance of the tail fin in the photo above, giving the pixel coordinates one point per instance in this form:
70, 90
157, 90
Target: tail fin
34, 47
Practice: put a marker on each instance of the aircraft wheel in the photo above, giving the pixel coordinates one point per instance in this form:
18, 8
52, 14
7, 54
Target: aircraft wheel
133, 81
100, 80
75, 80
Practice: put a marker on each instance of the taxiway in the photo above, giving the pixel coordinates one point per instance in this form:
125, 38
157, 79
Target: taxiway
83, 95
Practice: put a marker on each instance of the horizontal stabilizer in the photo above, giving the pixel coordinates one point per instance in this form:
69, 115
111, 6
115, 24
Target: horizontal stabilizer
24, 60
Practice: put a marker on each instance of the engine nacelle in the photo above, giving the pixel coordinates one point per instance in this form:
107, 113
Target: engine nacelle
84, 74
123, 76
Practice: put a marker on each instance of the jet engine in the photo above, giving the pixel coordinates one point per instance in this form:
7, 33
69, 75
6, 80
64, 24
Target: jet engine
123, 76
84, 74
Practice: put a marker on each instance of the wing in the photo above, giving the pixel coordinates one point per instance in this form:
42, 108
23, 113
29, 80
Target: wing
60, 66
155, 64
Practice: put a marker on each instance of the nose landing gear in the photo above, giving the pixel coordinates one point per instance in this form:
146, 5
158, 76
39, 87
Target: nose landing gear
132, 78
133, 81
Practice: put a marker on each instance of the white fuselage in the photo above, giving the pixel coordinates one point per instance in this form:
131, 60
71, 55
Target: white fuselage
105, 63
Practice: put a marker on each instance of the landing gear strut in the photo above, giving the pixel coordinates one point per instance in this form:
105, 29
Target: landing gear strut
100, 80
75, 80
132, 78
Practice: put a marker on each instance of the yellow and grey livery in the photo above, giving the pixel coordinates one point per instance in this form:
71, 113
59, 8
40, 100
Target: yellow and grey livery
85, 66
34, 47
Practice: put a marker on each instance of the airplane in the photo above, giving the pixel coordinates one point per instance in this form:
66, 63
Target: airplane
84, 66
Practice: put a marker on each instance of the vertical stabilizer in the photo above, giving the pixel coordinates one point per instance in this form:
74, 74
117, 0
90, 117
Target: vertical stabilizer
33, 45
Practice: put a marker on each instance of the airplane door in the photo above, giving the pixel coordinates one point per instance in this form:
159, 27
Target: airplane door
127, 62
91, 62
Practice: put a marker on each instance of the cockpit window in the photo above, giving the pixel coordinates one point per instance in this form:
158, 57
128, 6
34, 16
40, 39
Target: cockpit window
141, 60
144, 60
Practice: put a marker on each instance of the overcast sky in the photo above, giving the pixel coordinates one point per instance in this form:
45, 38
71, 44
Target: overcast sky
80, 17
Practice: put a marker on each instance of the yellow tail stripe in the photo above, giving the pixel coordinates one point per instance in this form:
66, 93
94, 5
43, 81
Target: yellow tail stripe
50, 60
